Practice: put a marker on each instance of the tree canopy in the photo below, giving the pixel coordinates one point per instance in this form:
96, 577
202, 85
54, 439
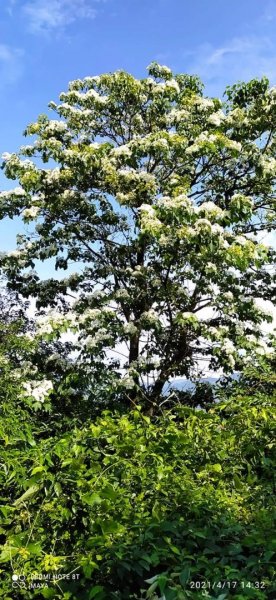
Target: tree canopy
156, 193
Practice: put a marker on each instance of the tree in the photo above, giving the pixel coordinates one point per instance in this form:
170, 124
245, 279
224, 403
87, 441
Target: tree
156, 193
46, 369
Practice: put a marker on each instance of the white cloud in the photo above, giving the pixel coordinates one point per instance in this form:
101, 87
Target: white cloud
239, 59
48, 15
8, 54
269, 13
10, 64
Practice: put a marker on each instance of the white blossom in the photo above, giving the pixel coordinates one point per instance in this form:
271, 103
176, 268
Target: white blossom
130, 329
203, 224
128, 382
211, 208
241, 240
89, 314
53, 175
228, 296
188, 315
99, 336
268, 165
6, 156
203, 103
210, 268
150, 316
18, 191
15, 253
231, 361
216, 229
172, 84
216, 118
123, 150
228, 347
122, 294
233, 145
38, 390
56, 126
31, 212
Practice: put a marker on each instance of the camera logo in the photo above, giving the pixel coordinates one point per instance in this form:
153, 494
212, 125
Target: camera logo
18, 581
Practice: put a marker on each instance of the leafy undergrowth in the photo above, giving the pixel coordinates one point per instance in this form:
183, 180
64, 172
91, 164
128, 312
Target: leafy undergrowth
180, 506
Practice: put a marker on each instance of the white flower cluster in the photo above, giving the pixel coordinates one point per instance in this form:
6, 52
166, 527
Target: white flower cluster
259, 345
151, 317
216, 118
200, 142
39, 390
27, 148
128, 382
53, 175
203, 225
99, 336
160, 88
186, 316
240, 202
211, 209
176, 115
268, 165
149, 220
159, 70
130, 329
91, 314
228, 346
233, 145
228, 296
181, 201
236, 117
210, 268
13, 160
18, 191
55, 126
91, 80
15, 253
6, 156
53, 320
122, 294
122, 150
132, 174
203, 104
263, 348
31, 213
241, 240
216, 333
83, 98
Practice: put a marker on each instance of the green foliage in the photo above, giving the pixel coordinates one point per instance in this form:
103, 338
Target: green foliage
143, 508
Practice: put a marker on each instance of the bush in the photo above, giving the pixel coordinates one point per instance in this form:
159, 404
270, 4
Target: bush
141, 508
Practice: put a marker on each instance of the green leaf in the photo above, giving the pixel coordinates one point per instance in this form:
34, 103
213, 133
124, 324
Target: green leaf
216, 468
39, 469
110, 526
95, 591
91, 499
27, 495
184, 576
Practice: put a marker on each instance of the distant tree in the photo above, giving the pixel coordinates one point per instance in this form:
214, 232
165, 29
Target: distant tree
12, 305
156, 193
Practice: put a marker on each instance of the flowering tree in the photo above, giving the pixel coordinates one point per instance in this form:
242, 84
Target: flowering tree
156, 193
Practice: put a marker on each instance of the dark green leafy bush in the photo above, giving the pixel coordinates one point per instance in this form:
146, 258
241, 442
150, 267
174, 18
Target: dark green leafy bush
143, 508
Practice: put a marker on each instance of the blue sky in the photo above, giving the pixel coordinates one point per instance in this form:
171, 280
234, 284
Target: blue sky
46, 43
